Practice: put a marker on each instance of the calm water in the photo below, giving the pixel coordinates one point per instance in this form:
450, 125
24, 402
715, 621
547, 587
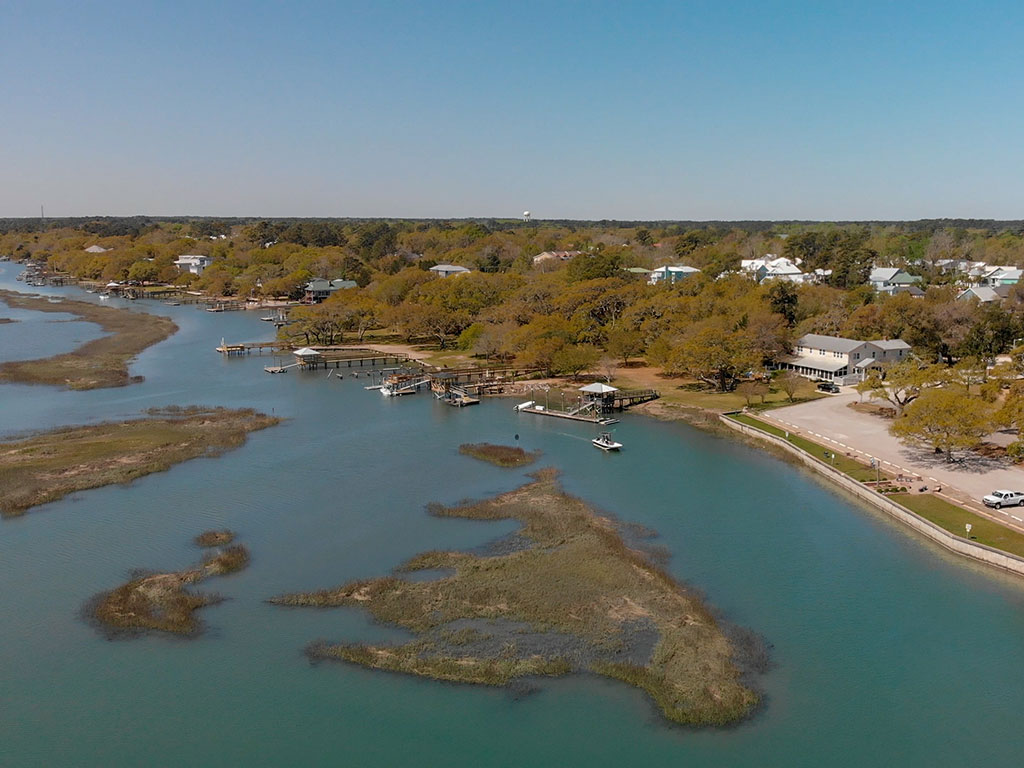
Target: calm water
886, 651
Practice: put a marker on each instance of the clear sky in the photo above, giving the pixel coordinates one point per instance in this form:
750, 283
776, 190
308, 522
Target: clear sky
629, 110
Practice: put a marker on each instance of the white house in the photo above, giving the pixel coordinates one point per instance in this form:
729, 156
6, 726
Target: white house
773, 267
96, 249
670, 274
446, 270
885, 279
1001, 276
193, 263
320, 288
843, 361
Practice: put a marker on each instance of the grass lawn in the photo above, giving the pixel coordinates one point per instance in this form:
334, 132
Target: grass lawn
848, 466
692, 394
953, 518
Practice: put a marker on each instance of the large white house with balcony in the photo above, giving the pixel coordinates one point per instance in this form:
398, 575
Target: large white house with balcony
193, 263
839, 360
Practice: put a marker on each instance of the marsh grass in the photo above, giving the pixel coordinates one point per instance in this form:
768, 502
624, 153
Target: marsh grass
578, 597
502, 455
96, 364
162, 602
214, 538
45, 467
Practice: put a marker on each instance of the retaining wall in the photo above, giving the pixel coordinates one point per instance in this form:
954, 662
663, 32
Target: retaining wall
940, 536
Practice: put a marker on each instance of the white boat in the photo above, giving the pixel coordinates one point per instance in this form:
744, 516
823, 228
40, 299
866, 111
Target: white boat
268, 319
524, 406
605, 443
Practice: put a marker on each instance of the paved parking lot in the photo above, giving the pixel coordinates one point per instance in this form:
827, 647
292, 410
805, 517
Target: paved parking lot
830, 420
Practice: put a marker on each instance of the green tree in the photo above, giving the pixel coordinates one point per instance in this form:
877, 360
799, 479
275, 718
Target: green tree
901, 383
625, 343
946, 419
573, 359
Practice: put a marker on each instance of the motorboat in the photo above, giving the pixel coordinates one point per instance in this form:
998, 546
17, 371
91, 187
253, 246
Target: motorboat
605, 442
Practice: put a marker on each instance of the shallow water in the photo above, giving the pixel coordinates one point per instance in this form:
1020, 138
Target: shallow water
886, 650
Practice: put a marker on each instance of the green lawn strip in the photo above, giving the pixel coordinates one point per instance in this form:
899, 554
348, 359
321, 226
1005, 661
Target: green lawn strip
848, 466
953, 519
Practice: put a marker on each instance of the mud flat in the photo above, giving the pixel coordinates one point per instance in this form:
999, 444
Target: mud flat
96, 364
161, 602
45, 467
573, 598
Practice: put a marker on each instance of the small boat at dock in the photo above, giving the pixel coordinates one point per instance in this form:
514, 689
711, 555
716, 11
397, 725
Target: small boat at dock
605, 442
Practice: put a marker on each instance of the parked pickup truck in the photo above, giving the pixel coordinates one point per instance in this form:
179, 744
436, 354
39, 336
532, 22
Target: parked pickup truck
1000, 499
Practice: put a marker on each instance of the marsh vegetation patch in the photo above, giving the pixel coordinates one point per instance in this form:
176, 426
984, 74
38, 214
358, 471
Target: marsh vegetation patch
100, 363
577, 599
45, 467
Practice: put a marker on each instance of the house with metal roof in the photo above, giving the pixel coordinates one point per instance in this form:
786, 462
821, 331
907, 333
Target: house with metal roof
670, 274
320, 288
885, 279
839, 360
192, 262
446, 270
984, 294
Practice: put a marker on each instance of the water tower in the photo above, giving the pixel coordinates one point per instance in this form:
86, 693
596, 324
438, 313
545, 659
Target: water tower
526, 215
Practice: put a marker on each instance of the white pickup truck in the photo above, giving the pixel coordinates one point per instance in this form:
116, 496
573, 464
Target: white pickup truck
1000, 499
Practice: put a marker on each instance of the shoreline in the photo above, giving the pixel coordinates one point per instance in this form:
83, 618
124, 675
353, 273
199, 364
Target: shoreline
973, 550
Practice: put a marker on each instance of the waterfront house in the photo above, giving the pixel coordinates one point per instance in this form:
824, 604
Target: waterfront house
447, 270
319, 288
885, 279
670, 274
843, 361
193, 263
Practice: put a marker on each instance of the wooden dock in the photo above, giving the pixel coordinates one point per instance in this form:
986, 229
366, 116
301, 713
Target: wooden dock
590, 418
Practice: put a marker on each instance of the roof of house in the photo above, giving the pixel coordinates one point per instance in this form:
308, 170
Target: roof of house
913, 290
883, 274
890, 344
448, 268
865, 363
983, 293
828, 343
815, 363
96, 249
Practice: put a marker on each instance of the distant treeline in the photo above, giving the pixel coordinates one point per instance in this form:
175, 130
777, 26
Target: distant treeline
133, 226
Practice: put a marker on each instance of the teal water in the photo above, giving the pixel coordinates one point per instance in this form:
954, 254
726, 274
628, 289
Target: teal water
886, 650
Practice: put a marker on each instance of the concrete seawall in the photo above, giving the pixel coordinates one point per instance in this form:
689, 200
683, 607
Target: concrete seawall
942, 537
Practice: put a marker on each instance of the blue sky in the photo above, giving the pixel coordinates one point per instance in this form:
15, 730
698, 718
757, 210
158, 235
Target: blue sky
639, 110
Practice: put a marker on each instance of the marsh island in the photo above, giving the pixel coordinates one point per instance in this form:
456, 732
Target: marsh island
570, 597
100, 363
47, 466
161, 601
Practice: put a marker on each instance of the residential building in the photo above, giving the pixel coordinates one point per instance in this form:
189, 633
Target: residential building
671, 274
843, 361
320, 288
773, 267
553, 256
446, 270
885, 279
985, 294
96, 249
1001, 276
193, 263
